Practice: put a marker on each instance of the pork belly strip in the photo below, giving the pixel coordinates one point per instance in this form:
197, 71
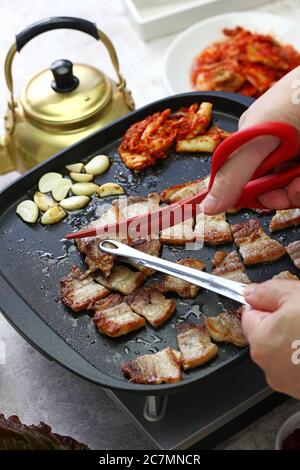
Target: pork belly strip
120, 209
78, 290
229, 266
195, 345
162, 367
96, 258
136, 205
293, 250
179, 234
254, 244
227, 327
151, 304
184, 289
182, 191
286, 275
285, 219
151, 247
114, 317
213, 229
121, 279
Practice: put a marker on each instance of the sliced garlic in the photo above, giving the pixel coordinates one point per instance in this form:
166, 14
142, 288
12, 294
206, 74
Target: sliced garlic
97, 165
84, 189
61, 189
53, 215
76, 167
81, 177
48, 181
110, 189
74, 202
43, 201
28, 211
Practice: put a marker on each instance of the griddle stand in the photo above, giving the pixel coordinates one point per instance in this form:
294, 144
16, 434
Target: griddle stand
205, 415
155, 408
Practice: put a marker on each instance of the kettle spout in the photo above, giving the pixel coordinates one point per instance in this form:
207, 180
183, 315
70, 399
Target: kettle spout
6, 160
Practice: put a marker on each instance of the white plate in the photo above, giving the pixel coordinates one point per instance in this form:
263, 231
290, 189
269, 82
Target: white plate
191, 42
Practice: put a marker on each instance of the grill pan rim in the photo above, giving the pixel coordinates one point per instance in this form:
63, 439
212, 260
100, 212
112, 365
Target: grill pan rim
9, 298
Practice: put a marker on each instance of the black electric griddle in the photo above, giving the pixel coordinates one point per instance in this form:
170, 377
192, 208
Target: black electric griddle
34, 258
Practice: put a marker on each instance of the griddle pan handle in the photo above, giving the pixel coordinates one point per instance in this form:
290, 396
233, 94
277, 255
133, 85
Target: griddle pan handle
55, 22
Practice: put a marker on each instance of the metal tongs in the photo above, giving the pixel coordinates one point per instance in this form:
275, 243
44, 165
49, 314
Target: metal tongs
232, 289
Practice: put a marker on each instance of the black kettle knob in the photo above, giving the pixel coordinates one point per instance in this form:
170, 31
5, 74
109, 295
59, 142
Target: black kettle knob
64, 80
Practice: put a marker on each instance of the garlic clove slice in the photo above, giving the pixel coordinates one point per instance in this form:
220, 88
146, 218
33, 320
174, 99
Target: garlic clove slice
110, 189
97, 165
73, 203
28, 211
48, 181
53, 215
84, 189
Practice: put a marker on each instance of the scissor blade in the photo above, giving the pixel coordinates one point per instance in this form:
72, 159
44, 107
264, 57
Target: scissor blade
151, 223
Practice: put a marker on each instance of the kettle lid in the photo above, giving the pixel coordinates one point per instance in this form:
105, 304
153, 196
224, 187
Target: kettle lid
59, 97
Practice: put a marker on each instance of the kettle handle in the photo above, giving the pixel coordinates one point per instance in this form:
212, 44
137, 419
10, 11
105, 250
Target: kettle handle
56, 22
61, 22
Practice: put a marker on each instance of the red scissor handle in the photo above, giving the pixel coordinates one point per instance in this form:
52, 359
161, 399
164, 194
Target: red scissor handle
287, 149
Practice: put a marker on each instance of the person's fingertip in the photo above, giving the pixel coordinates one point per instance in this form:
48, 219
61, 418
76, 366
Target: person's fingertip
242, 120
275, 200
210, 205
250, 290
293, 191
251, 320
247, 322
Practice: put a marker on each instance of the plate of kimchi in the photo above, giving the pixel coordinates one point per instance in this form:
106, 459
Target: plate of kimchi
243, 52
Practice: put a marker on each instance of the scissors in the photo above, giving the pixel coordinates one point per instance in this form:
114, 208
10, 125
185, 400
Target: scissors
264, 179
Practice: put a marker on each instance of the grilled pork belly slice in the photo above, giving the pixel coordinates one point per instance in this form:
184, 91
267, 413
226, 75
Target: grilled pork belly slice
195, 345
136, 205
227, 327
96, 258
213, 229
229, 266
284, 219
78, 290
293, 250
263, 211
182, 191
286, 275
179, 234
121, 279
151, 247
162, 367
254, 244
120, 209
152, 305
114, 317
184, 289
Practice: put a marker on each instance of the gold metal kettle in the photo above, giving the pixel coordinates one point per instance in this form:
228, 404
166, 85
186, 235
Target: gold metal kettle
60, 105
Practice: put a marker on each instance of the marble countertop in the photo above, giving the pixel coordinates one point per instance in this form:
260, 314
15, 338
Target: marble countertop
30, 385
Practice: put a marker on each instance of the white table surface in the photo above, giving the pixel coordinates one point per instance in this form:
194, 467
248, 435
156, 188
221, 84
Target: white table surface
30, 385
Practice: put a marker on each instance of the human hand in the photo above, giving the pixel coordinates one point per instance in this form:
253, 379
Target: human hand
272, 327
275, 105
